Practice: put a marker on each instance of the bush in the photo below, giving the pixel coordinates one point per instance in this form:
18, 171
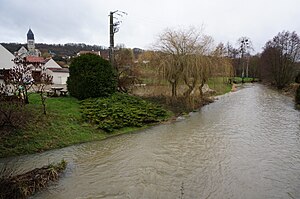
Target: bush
90, 77
13, 115
297, 99
119, 111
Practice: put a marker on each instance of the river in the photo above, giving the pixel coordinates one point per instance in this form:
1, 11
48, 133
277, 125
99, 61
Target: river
244, 145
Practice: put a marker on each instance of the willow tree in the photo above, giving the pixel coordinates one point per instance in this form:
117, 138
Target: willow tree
197, 69
181, 56
208, 63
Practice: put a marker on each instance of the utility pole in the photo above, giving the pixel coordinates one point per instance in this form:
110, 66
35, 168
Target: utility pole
111, 38
113, 28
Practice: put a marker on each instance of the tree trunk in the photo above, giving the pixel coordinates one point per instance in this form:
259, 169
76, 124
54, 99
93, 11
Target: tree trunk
25, 95
43, 99
174, 93
200, 89
190, 88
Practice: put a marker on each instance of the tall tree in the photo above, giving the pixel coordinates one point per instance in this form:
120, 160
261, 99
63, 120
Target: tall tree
182, 56
91, 76
174, 45
126, 70
280, 57
222, 64
233, 54
245, 47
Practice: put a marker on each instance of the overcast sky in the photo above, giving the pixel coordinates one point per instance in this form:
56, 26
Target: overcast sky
86, 21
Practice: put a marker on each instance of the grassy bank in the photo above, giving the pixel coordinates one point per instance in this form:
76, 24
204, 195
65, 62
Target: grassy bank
220, 85
67, 124
62, 126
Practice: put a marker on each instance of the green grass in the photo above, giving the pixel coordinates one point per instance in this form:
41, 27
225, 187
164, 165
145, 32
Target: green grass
219, 84
62, 126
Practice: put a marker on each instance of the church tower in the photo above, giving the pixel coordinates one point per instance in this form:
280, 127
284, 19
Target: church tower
30, 41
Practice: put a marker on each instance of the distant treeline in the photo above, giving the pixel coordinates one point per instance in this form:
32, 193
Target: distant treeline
69, 49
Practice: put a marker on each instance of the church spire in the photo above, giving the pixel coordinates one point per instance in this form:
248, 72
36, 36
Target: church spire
30, 41
30, 35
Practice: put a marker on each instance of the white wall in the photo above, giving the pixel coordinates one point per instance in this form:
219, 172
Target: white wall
60, 78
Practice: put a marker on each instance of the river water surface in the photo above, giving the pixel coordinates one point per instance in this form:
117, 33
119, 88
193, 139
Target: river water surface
244, 145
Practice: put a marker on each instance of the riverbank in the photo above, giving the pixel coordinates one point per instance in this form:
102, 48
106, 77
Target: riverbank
23, 186
62, 126
289, 91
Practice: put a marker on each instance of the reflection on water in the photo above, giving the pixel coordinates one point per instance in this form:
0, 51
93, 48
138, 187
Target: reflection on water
245, 145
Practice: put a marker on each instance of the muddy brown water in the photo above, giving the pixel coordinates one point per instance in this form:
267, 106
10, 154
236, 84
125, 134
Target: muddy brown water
245, 145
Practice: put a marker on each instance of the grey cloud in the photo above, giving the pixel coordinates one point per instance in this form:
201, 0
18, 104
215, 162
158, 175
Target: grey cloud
56, 21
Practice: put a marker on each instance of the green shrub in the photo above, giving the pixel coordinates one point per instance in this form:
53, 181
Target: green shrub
121, 110
297, 99
91, 76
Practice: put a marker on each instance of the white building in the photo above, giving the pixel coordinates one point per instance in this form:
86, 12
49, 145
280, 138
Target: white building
6, 58
60, 75
6, 62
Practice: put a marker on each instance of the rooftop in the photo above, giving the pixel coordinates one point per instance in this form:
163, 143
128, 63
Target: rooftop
33, 59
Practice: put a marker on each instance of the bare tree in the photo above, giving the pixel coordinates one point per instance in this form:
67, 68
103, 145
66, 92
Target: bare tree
221, 64
126, 71
245, 47
40, 86
279, 58
182, 56
20, 77
207, 63
233, 54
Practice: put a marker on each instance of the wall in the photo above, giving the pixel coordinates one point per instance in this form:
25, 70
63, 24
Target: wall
60, 78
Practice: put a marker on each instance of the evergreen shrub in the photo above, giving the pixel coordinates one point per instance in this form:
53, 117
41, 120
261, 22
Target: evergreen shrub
119, 111
91, 76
